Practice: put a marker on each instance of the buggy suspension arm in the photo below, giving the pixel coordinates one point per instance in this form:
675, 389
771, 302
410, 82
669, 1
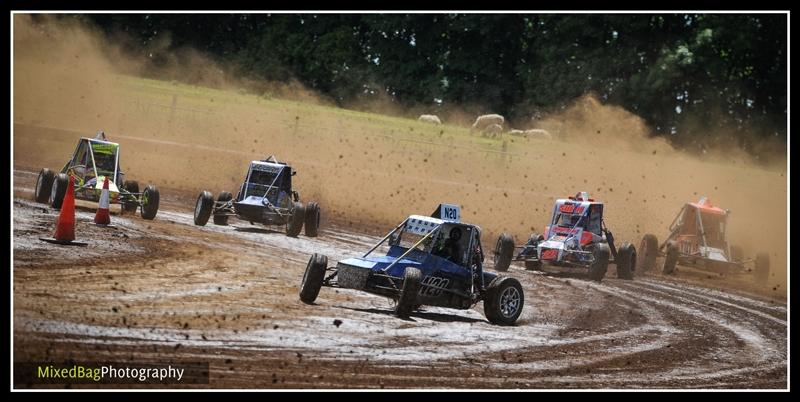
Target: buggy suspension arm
331, 276
610, 240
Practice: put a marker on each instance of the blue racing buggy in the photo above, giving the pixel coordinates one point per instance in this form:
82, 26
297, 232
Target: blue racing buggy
265, 197
576, 237
429, 260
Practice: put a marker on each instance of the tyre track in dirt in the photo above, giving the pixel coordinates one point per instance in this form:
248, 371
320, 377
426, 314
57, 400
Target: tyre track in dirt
228, 295
736, 340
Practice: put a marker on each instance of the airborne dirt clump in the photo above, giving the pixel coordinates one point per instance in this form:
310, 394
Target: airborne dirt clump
370, 169
237, 290
176, 291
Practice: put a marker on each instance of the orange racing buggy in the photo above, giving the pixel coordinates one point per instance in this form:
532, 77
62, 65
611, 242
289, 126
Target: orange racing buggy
697, 238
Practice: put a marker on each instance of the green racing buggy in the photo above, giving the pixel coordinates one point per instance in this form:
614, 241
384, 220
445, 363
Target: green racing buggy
94, 160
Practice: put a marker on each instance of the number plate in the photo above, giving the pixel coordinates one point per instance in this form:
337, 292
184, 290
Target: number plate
549, 254
449, 212
567, 208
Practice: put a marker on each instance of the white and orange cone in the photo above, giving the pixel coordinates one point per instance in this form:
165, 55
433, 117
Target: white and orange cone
103, 217
65, 224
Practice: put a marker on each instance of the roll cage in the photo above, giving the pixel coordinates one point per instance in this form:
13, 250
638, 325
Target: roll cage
573, 215
93, 158
268, 179
432, 230
709, 226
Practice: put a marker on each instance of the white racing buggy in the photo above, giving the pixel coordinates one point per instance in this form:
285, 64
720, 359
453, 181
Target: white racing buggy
576, 237
697, 239
94, 160
265, 197
427, 260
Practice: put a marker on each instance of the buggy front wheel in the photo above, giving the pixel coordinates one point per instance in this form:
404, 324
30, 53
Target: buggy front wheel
626, 261
503, 252
601, 254
150, 199
312, 219
412, 277
203, 208
671, 260
295, 224
59, 189
504, 301
313, 278
44, 184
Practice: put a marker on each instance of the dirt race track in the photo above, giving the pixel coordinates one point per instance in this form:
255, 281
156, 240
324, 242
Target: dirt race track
168, 291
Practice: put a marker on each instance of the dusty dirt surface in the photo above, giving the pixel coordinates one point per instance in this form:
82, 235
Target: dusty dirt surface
168, 291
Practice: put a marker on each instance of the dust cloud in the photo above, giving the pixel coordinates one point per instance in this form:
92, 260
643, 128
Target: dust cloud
369, 170
619, 162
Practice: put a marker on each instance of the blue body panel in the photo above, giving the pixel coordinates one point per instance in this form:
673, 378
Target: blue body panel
444, 283
436, 271
429, 264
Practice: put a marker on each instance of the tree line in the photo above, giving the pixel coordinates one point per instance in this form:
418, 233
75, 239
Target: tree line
688, 75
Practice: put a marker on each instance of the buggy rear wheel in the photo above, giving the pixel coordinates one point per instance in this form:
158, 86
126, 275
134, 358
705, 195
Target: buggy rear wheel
150, 199
130, 203
535, 239
626, 261
295, 224
222, 198
762, 268
504, 301
671, 260
203, 208
313, 278
44, 184
503, 252
648, 251
412, 277
601, 254
312, 219
58, 190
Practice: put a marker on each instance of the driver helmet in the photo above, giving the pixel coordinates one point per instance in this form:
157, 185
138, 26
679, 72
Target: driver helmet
455, 233
571, 220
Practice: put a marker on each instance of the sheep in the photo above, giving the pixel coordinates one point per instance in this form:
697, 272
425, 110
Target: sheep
488, 119
493, 129
516, 132
429, 118
538, 133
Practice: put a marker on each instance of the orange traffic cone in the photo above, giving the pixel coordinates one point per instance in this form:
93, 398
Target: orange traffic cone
65, 225
103, 218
